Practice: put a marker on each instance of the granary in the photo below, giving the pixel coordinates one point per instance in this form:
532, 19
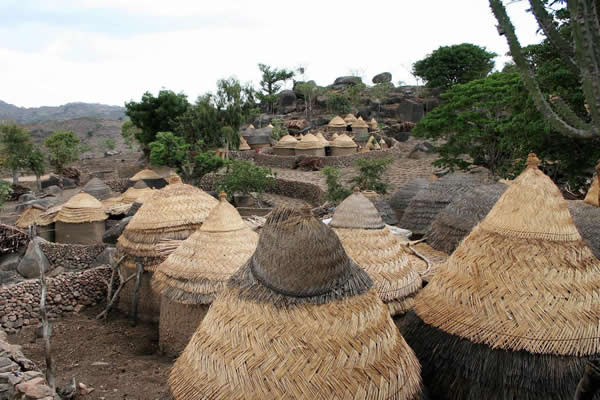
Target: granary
172, 213
343, 145
337, 124
138, 193
243, 145
196, 272
150, 178
333, 137
513, 313
457, 220
373, 125
97, 188
288, 326
81, 220
257, 138
371, 244
46, 227
286, 146
310, 145
360, 129
31, 216
593, 195
402, 198
324, 142
349, 119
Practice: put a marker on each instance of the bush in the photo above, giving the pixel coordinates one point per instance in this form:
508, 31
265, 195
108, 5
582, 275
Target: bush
63, 148
205, 163
168, 149
338, 103
279, 130
335, 191
370, 173
244, 177
5, 191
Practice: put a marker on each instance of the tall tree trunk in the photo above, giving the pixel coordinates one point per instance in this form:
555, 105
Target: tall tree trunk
38, 182
15, 174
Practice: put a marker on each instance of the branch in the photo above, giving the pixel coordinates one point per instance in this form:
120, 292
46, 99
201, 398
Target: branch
586, 30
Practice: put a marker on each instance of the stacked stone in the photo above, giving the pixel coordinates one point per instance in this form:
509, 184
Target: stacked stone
117, 185
71, 257
70, 292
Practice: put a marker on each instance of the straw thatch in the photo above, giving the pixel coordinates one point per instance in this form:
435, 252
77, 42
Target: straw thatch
29, 216
593, 195
173, 178
285, 146
288, 328
337, 122
97, 188
145, 174
457, 220
322, 139
349, 119
513, 313
81, 208
48, 217
309, 141
373, 125
134, 195
402, 198
360, 124
587, 221
372, 245
244, 144
382, 206
432, 199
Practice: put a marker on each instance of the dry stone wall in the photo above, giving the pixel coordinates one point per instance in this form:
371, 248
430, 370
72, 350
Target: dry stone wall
117, 185
71, 257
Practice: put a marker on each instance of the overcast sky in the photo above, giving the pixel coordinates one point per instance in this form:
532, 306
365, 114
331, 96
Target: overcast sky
110, 51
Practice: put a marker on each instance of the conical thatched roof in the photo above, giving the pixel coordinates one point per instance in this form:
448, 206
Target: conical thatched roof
173, 178
288, 328
516, 300
349, 119
359, 123
322, 139
593, 195
174, 212
287, 142
197, 271
373, 124
337, 122
343, 140
244, 144
374, 247
135, 195
48, 216
587, 221
383, 207
334, 136
97, 188
457, 220
309, 141
144, 175
29, 216
81, 208
402, 198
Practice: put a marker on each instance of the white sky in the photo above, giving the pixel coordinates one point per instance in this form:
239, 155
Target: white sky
110, 51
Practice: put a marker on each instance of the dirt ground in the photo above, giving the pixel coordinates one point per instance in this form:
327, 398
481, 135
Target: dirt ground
117, 360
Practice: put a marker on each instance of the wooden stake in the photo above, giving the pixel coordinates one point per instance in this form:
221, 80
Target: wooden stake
138, 282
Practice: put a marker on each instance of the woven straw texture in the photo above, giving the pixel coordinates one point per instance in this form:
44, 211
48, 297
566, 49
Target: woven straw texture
356, 212
145, 174
48, 217
587, 221
337, 122
359, 123
457, 220
309, 141
287, 142
133, 195
593, 195
81, 208
97, 188
244, 144
523, 279
401, 199
29, 217
256, 343
343, 140
173, 178
322, 139
197, 270
349, 119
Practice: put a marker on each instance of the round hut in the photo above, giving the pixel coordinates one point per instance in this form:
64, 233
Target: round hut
243, 144
172, 213
337, 124
97, 188
309, 145
258, 138
31, 216
343, 145
371, 244
593, 195
81, 221
288, 328
360, 129
513, 313
46, 225
457, 220
373, 125
138, 192
286, 146
150, 178
428, 203
349, 119
322, 139
587, 221
194, 274
402, 198
382, 206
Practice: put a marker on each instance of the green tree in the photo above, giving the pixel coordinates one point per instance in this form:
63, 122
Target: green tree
155, 114
336, 192
205, 163
15, 145
169, 150
338, 104
270, 84
279, 130
309, 92
129, 132
578, 44
36, 163
63, 148
235, 106
110, 143
353, 93
244, 177
5, 191
370, 174
450, 65
201, 122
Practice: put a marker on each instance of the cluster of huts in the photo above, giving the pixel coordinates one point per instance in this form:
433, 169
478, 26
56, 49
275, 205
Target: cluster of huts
342, 136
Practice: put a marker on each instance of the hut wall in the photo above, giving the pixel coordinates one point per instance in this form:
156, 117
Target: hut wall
148, 308
283, 151
86, 233
342, 151
259, 146
361, 132
178, 322
47, 232
339, 129
320, 152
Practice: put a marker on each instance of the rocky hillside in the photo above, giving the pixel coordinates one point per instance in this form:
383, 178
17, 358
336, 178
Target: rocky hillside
22, 115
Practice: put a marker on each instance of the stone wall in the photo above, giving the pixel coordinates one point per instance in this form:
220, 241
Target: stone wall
69, 292
117, 185
71, 257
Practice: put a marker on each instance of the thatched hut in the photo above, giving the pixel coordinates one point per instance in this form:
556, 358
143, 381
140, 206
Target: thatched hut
513, 313
309, 145
337, 124
587, 221
593, 195
174, 212
97, 188
383, 207
46, 227
150, 178
243, 144
194, 274
428, 203
371, 244
81, 221
349, 119
288, 327
44, 222
29, 217
137, 194
343, 145
373, 125
457, 220
402, 198
286, 146
324, 142
360, 129
258, 139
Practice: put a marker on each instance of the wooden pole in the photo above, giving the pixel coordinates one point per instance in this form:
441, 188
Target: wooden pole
46, 331
138, 282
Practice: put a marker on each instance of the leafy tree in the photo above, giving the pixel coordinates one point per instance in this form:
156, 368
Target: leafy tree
36, 163
200, 122
155, 114
353, 93
493, 122
309, 91
63, 148
338, 104
235, 105
244, 177
205, 163
336, 192
110, 143
380, 91
279, 130
450, 65
370, 173
5, 191
15, 147
578, 44
270, 84
168, 149
130, 132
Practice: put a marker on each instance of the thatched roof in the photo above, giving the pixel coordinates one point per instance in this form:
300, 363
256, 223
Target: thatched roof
359, 123
343, 140
173, 178
145, 174
174, 212
587, 221
383, 207
337, 122
376, 249
322, 139
349, 119
309, 141
97, 188
402, 198
428, 202
593, 195
196, 272
29, 216
457, 220
81, 208
373, 124
47, 217
244, 144
334, 136
134, 195
288, 328
287, 142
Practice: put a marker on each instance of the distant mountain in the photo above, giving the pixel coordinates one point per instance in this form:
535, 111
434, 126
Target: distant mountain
34, 115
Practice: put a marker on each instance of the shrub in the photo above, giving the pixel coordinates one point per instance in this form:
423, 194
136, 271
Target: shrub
244, 177
338, 103
370, 173
335, 191
5, 191
205, 163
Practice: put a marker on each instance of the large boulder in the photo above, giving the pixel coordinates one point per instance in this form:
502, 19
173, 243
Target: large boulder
26, 197
10, 262
406, 110
384, 77
287, 102
45, 203
347, 80
112, 235
33, 260
53, 190
52, 180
